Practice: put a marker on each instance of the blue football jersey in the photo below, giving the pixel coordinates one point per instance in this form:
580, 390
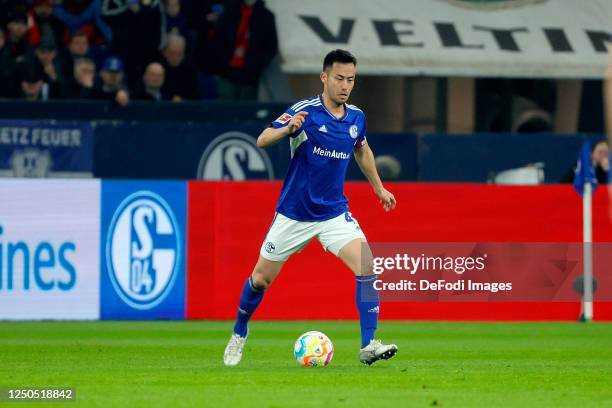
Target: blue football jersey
320, 152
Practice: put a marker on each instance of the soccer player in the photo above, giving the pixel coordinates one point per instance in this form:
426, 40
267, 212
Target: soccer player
324, 132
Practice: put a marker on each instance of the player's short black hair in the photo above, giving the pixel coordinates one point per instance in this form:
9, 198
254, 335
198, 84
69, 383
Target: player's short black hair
338, 55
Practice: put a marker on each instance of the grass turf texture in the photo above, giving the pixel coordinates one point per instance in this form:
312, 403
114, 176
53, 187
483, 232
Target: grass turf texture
179, 364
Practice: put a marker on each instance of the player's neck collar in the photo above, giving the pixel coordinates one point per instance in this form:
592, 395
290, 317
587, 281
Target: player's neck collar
331, 114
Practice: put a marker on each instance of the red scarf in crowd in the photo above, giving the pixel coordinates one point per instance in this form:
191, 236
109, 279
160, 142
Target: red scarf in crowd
242, 37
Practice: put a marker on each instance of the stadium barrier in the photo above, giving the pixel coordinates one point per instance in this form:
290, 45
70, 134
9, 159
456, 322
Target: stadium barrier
219, 150
110, 249
215, 151
478, 157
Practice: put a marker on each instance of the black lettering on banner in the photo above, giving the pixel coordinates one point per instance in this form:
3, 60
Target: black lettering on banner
599, 40
344, 33
504, 37
558, 40
389, 36
450, 37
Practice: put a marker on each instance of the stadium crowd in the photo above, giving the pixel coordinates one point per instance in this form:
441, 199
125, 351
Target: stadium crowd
123, 50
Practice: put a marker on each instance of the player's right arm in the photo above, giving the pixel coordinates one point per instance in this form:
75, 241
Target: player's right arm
273, 134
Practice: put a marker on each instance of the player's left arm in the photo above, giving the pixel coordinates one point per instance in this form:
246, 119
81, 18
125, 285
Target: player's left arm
365, 159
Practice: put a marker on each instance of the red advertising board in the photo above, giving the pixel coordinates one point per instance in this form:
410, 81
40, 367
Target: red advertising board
227, 222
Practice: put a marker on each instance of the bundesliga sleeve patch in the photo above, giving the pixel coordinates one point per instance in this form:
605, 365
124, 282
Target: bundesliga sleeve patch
284, 118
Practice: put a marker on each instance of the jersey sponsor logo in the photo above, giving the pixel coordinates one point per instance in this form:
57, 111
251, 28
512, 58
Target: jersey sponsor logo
284, 118
323, 129
330, 153
143, 250
234, 156
354, 131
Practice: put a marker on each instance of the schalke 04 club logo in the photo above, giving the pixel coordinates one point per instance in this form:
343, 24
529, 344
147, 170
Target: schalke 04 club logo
234, 156
143, 250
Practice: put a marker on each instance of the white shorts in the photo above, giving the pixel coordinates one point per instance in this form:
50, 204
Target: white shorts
286, 236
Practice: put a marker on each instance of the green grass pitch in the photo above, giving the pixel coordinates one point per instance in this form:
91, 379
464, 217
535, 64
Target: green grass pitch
179, 364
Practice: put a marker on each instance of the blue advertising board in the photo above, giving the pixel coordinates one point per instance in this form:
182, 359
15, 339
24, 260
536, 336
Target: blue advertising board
478, 157
142, 250
185, 151
46, 149
215, 151
397, 149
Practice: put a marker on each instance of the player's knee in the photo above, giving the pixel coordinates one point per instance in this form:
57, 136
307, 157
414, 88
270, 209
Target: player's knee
367, 262
261, 279
367, 268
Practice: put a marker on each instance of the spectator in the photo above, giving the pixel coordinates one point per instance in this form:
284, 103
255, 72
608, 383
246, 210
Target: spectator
181, 77
82, 81
111, 87
176, 21
601, 161
203, 19
242, 45
31, 83
5, 68
151, 87
85, 16
9, 7
78, 47
600, 157
137, 35
18, 44
45, 60
42, 23
15, 49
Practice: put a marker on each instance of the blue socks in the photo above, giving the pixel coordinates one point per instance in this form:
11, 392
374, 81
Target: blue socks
249, 300
368, 303
366, 297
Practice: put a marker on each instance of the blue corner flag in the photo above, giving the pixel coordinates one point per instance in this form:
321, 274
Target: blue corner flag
584, 170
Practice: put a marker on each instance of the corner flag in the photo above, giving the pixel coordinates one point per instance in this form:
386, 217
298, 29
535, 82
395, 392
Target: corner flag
584, 173
585, 183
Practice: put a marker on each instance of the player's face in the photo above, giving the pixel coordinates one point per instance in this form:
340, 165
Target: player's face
338, 82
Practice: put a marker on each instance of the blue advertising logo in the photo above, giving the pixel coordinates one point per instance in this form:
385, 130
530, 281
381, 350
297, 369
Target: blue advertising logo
37, 264
143, 250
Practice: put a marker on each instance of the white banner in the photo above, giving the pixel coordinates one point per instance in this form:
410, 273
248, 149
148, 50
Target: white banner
49, 249
503, 38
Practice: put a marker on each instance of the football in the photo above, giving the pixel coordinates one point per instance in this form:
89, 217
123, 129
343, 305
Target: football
313, 349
